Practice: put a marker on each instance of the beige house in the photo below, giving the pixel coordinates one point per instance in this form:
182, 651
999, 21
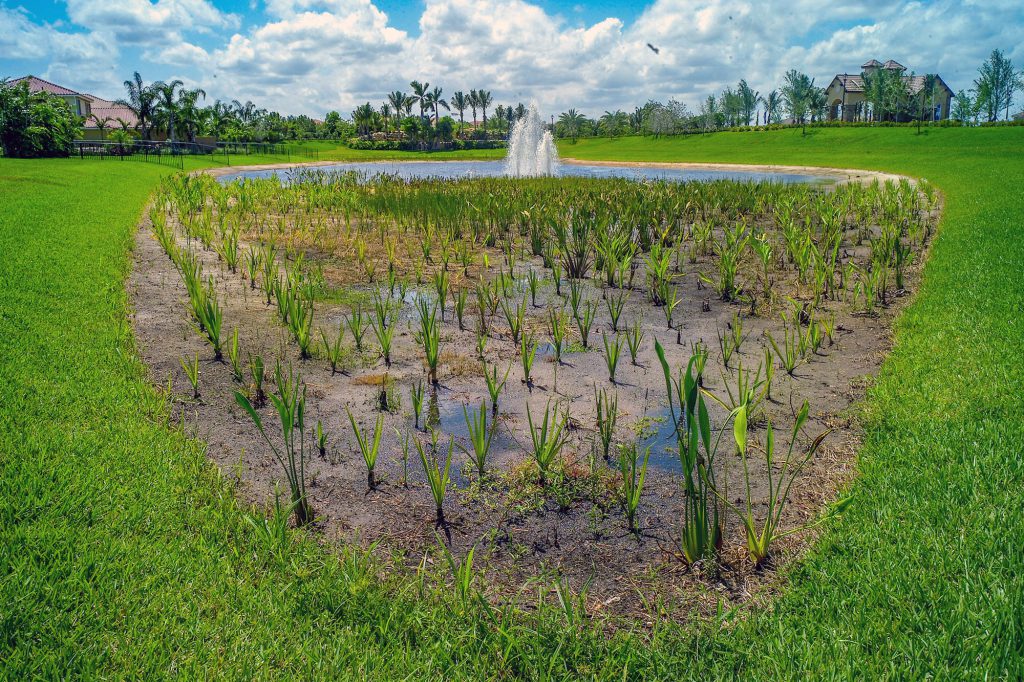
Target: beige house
846, 99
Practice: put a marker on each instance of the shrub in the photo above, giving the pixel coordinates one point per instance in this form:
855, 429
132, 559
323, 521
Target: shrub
34, 124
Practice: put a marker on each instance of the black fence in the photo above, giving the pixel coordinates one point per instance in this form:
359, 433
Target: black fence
174, 153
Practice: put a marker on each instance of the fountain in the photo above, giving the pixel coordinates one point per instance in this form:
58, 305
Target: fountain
531, 148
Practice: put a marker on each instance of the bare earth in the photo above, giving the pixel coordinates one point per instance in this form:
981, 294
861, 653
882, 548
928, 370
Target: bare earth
520, 534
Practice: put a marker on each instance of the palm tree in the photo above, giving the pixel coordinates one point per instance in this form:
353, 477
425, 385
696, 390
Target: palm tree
636, 119
399, 101
484, 99
571, 122
499, 113
436, 101
460, 102
101, 124
246, 113
420, 94
474, 103
191, 117
141, 101
166, 94
220, 114
772, 103
363, 117
385, 115
612, 122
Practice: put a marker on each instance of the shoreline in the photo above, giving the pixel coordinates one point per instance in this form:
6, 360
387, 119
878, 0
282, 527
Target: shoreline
841, 174
830, 173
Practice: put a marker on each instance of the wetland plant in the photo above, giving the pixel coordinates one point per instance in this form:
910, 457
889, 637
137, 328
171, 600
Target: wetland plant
633, 470
584, 320
759, 541
634, 337
429, 336
258, 372
548, 439
611, 354
459, 299
514, 315
416, 392
615, 305
558, 326
290, 403
607, 406
438, 476
700, 532
367, 447
790, 353
321, 439
480, 436
357, 323
533, 280
191, 369
494, 386
384, 332
527, 354
332, 348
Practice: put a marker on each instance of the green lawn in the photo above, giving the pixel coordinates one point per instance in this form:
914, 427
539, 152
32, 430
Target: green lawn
123, 555
329, 150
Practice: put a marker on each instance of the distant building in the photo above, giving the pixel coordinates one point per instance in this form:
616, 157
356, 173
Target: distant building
91, 108
846, 99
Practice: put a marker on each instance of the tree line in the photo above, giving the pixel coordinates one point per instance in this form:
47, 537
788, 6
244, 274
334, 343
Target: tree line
798, 100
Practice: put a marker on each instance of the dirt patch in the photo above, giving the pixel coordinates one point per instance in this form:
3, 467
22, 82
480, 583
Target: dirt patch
523, 532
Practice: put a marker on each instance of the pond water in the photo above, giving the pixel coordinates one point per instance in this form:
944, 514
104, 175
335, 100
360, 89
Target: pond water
471, 169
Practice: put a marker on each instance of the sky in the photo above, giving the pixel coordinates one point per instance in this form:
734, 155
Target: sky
314, 56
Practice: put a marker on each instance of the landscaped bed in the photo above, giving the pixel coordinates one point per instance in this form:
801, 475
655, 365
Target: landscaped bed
765, 295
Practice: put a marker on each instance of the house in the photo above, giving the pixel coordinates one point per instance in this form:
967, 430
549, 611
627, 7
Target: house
99, 115
847, 102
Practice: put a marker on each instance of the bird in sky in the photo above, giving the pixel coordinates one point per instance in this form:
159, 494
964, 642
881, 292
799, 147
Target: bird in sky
654, 49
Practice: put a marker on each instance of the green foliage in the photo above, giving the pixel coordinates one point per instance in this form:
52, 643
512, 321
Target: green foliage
369, 447
35, 124
438, 475
479, 436
633, 471
290, 404
548, 439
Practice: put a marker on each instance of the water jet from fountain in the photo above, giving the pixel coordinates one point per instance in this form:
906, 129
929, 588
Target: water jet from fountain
531, 148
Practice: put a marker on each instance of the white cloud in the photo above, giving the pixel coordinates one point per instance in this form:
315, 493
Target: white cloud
145, 22
80, 60
314, 55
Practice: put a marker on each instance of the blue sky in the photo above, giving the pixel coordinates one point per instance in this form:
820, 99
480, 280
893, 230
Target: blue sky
311, 56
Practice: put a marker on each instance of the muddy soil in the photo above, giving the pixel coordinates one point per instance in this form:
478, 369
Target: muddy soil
522, 532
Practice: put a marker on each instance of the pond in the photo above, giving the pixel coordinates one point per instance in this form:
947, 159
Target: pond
471, 169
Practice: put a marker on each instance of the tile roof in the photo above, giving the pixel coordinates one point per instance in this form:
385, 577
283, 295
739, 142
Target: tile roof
893, 64
39, 85
855, 83
850, 82
871, 62
112, 112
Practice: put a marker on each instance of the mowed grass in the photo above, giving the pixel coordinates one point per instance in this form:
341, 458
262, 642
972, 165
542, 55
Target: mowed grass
124, 555
330, 150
